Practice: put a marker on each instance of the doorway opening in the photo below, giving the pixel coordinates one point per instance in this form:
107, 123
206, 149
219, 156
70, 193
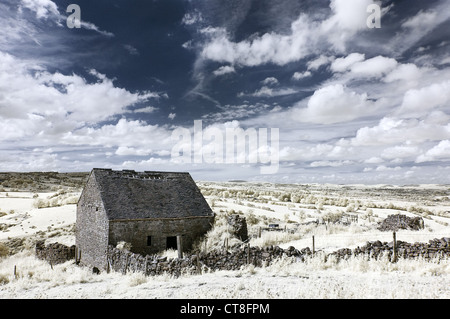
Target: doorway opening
171, 242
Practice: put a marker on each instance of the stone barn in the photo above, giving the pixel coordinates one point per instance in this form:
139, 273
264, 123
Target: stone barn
152, 211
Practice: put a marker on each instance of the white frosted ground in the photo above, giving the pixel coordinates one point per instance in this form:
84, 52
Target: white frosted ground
356, 278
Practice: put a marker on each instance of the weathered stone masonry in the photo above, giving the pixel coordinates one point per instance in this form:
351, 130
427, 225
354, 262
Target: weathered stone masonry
152, 211
54, 253
91, 231
137, 232
125, 261
399, 221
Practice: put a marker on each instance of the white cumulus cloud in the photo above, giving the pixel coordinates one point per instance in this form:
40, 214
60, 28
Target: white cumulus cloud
441, 151
334, 104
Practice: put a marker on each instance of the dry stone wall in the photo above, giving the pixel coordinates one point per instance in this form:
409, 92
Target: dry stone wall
122, 260
439, 248
54, 253
125, 261
234, 259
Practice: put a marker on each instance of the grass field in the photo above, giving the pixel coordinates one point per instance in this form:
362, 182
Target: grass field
43, 206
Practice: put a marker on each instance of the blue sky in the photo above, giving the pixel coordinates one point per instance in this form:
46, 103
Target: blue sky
352, 104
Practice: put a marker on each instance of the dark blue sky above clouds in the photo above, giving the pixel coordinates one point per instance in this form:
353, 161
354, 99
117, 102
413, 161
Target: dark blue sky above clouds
352, 104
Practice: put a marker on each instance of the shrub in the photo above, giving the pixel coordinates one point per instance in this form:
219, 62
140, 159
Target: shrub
251, 219
71, 200
136, 279
122, 245
4, 279
4, 251
40, 203
332, 217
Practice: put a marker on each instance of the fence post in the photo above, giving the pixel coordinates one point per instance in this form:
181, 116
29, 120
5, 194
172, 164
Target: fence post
199, 270
146, 265
180, 246
394, 243
313, 245
126, 263
51, 257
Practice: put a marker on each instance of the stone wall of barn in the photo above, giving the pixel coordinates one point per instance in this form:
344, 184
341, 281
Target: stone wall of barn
150, 236
91, 227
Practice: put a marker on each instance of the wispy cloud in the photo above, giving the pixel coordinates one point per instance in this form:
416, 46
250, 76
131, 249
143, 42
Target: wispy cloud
224, 70
266, 91
42, 8
48, 10
352, 103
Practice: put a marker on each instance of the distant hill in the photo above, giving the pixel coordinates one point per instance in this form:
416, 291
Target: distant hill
41, 181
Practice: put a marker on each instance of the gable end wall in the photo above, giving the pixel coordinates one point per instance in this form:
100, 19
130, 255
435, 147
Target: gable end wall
91, 227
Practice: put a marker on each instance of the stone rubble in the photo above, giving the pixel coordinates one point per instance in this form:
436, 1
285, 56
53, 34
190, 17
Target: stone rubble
239, 226
54, 253
399, 221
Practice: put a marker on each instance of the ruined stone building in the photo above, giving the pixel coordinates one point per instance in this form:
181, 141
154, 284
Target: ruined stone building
152, 211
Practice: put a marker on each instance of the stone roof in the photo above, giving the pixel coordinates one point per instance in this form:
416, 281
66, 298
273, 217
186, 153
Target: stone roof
128, 194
